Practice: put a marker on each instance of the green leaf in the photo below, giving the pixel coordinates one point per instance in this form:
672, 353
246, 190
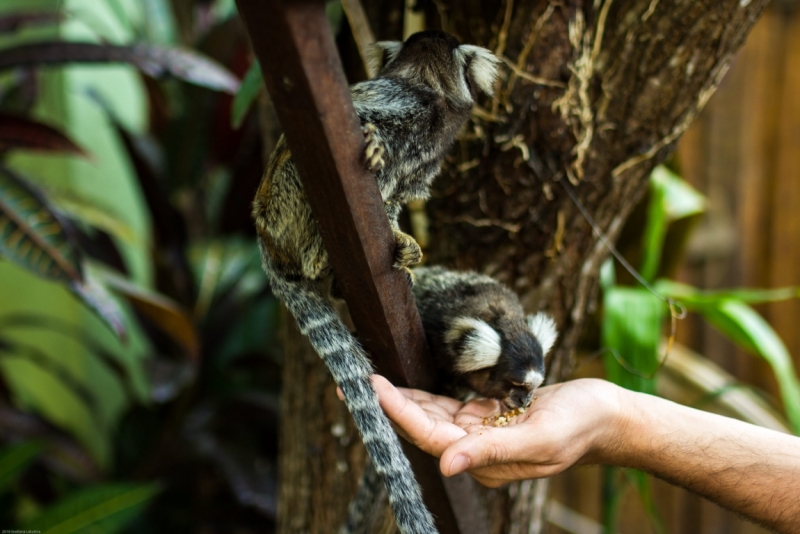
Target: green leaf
745, 327
35, 389
100, 509
96, 297
694, 298
631, 332
12, 22
246, 95
32, 235
680, 199
671, 199
159, 22
80, 209
223, 267
15, 459
166, 314
654, 231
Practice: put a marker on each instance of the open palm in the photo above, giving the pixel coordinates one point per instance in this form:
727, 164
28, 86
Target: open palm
560, 429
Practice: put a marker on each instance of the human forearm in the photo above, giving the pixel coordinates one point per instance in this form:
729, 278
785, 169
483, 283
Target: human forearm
748, 469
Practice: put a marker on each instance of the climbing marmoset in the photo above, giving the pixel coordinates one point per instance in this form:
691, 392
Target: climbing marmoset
410, 114
482, 343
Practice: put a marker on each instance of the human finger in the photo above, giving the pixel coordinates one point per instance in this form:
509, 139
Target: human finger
489, 448
448, 404
432, 435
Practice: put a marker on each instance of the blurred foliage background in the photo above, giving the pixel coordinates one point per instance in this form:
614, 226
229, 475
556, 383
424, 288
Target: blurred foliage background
139, 361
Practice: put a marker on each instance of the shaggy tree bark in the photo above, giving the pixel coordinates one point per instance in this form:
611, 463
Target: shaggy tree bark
593, 96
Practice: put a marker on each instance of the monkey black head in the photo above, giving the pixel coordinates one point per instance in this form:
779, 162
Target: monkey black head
439, 61
502, 360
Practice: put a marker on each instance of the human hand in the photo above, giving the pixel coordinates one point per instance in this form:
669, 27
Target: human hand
569, 423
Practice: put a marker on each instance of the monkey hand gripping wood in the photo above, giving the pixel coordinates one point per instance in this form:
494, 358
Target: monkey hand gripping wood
410, 114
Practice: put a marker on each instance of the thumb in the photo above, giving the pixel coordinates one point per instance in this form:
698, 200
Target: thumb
492, 446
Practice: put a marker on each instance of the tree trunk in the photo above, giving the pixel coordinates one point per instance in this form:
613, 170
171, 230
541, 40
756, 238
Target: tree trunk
593, 96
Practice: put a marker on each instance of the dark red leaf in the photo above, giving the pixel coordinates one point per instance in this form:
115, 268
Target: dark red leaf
13, 21
21, 132
157, 61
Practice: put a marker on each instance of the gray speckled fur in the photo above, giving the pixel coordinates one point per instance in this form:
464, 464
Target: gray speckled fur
420, 100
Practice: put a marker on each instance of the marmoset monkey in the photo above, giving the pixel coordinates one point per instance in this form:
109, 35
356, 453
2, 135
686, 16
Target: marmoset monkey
410, 114
482, 343
480, 337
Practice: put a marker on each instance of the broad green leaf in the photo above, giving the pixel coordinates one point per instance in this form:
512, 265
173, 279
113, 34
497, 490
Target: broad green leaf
745, 327
654, 231
32, 235
55, 325
57, 369
100, 509
246, 95
225, 266
96, 297
36, 389
12, 22
633, 319
671, 199
159, 22
694, 380
165, 313
680, 199
15, 459
98, 216
156, 61
694, 298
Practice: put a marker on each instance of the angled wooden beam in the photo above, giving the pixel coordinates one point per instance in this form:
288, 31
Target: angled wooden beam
304, 76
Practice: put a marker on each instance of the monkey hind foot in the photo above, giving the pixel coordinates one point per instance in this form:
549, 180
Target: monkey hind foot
407, 252
373, 153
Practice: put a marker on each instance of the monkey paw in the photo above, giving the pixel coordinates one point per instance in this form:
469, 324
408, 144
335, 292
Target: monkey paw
373, 154
410, 276
407, 252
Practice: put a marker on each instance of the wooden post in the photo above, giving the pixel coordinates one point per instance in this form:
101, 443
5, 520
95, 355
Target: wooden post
303, 74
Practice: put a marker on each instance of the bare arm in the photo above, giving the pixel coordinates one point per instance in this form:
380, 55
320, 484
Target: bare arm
748, 469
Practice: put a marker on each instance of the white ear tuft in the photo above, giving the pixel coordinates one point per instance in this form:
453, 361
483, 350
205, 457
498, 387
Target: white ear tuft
481, 66
544, 329
381, 53
481, 347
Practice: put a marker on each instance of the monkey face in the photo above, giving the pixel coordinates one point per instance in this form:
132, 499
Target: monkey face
505, 361
436, 59
515, 376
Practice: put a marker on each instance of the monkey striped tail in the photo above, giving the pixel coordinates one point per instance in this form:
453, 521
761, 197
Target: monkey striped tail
366, 504
351, 369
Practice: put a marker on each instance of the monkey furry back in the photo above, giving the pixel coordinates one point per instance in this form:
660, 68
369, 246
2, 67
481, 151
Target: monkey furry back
482, 343
410, 114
